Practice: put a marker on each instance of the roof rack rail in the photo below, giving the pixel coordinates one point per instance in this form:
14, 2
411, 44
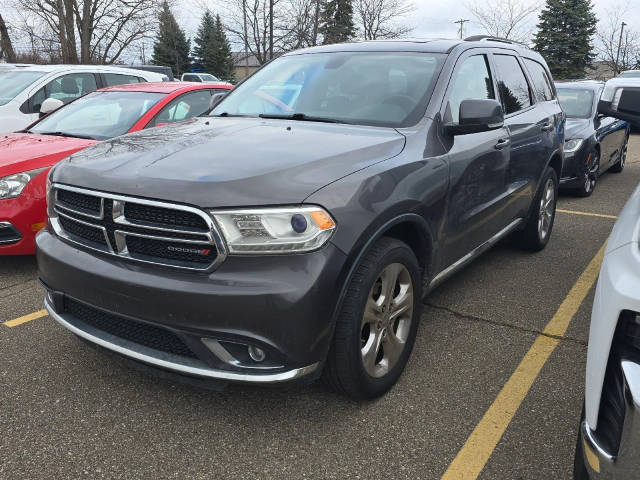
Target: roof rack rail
477, 38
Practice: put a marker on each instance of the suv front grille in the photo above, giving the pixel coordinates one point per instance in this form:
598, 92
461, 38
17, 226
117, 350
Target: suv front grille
137, 229
140, 333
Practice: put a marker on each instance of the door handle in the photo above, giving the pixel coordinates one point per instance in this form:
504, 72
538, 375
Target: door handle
546, 127
503, 142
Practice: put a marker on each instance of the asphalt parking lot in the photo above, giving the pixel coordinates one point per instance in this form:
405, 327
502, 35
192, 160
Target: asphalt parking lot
463, 406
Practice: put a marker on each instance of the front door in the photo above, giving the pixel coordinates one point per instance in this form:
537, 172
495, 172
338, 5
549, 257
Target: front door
478, 164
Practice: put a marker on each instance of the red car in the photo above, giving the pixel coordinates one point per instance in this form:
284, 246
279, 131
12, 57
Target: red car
27, 156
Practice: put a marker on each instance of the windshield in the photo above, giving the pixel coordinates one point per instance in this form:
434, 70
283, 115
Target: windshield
208, 77
576, 102
388, 89
98, 115
13, 82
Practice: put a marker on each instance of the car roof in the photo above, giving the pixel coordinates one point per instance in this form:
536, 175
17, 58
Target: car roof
582, 84
164, 87
427, 45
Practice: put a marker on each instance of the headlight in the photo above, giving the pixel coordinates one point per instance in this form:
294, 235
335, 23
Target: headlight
12, 186
572, 145
275, 230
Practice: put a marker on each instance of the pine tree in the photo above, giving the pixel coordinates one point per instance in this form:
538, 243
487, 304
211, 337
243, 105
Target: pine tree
564, 37
172, 46
221, 64
337, 21
206, 31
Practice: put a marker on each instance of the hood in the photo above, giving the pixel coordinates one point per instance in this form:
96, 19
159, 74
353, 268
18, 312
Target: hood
230, 162
20, 152
576, 128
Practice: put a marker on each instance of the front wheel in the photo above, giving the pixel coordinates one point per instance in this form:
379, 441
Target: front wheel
622, 158
537, 231
590, 176
376, 327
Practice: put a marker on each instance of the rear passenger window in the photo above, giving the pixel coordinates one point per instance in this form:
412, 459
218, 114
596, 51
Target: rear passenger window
113, 79
471, 81
540, 78
512, 84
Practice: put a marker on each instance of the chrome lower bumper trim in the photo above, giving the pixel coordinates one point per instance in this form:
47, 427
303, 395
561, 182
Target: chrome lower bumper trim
172, 364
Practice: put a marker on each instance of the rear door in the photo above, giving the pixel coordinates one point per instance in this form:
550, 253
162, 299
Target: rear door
478, 162
530, 126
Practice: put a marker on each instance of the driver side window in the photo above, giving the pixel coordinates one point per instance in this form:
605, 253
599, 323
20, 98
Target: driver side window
65, 88
471, 81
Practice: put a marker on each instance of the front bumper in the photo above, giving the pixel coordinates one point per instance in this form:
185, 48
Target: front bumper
281, 304
600, 463
574, 168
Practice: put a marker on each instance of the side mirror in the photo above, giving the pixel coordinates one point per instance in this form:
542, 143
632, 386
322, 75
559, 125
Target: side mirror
477, 116
216, 99
621, 99
50, 105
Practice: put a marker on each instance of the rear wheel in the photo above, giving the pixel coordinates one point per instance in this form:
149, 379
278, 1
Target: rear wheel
376, 328
622, 158
537, 231
590, 176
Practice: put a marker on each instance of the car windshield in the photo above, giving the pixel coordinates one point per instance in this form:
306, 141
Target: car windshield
208, 77
98, 115
388, 89
576, 102
15, 81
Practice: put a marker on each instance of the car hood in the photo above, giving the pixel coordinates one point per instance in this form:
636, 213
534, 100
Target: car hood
576, 128
20, 152
223, 162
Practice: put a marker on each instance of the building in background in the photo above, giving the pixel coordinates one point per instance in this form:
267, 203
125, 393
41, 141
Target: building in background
243, 68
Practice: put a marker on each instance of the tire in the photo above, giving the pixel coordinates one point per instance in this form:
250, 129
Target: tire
532, 237
622, 158
590, 176
357, 364
579, 468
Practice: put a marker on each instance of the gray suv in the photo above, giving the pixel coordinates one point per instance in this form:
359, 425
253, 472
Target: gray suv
293, 231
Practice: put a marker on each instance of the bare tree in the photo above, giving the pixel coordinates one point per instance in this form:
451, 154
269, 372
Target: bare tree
506, 18
609, 41
379, 19
102, 29
6, 47
298, 23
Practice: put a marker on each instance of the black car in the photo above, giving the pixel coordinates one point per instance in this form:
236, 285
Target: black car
594, 143
294, 231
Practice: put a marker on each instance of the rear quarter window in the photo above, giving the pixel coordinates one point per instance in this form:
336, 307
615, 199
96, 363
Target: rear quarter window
540, 79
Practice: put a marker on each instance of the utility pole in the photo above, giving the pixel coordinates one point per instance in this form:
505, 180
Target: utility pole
246, 39
619, 45
461, 22
270, 29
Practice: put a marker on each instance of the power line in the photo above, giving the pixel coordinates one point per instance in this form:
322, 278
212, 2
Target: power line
461, 22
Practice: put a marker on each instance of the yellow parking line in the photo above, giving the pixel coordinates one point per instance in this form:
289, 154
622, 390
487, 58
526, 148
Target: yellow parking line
588, 214
478, 448
27, 318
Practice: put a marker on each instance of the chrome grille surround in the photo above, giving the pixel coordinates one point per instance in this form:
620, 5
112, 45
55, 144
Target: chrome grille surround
122, 227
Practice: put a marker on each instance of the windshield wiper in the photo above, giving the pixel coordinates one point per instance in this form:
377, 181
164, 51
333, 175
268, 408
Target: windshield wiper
64, 134
227, 114
301, 116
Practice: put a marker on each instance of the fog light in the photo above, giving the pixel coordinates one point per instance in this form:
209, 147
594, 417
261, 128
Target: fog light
256, 354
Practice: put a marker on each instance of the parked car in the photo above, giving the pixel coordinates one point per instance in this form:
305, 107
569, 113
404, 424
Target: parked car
199, 77
630, 74
161, 69
24, 89
609, 433
294, 231
26, 157
594, 143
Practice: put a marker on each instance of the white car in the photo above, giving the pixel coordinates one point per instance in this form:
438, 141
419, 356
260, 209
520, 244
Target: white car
608, 445
25, 88
199, 77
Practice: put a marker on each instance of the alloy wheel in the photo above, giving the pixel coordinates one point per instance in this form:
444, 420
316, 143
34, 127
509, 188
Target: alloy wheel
386, 321
592, 174
547, 209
